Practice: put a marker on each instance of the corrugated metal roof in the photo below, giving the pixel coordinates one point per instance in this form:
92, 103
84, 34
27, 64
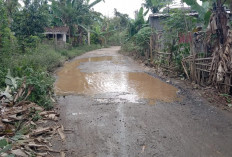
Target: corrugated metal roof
166, 15
63, 29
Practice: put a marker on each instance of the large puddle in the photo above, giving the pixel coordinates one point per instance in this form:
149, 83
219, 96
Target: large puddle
131, 86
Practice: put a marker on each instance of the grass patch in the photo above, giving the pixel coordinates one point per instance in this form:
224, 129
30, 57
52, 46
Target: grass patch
69, 54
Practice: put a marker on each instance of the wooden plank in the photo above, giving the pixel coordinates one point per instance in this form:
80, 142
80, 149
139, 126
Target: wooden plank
203, 70
163, 53
198, 76
202, 64
225, 84
201, 59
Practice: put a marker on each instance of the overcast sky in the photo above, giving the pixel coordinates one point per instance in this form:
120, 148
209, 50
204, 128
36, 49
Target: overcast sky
123, 6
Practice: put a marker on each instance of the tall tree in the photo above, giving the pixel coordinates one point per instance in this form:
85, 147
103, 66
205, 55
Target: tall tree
29, 23
12, 6
155, 5
137, 24
31, 20
123, 18
5, 33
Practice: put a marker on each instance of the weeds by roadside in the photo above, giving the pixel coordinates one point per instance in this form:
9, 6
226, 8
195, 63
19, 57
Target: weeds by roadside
34, 67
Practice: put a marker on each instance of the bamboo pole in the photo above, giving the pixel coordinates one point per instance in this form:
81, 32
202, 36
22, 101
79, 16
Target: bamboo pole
186, 72
151, 47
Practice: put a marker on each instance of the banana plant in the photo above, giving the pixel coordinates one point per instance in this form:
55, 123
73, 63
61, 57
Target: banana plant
204, 10
75, 14
94, 3
155, 5
11, 85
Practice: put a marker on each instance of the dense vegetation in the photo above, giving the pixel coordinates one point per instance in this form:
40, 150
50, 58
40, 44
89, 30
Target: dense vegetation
24, 54
176, 23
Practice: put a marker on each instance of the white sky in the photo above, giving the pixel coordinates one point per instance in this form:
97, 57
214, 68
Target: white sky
123, 6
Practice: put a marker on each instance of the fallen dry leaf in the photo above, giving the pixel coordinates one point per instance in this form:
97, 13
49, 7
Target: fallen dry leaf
62, 154
52, 117
40, 131
32, 123
47, 113
61, 133
20, 92
19, 152
41, 154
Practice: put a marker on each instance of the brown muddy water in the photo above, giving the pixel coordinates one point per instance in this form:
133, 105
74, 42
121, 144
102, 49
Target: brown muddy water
130, 85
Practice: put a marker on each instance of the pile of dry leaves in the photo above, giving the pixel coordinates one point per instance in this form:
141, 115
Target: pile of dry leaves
22, 125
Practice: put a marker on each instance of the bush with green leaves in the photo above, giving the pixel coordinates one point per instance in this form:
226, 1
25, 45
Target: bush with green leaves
41, 84
129, 47
142, 38
178, 22
2, 76
34, 67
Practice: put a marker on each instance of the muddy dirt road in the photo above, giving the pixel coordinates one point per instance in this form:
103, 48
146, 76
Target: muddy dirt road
110, 107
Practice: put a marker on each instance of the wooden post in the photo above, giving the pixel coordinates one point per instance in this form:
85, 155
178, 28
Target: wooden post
53, 38
151, 48
89, 37
155, 38
64, 36
56, 39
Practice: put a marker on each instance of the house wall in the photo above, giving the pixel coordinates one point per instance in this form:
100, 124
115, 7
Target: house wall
156, 22
59, 38
64, 38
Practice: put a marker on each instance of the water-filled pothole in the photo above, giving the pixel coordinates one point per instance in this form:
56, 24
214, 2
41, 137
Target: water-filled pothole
136, 85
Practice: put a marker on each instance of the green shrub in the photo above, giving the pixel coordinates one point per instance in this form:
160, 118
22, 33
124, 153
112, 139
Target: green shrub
42, 86
142, 38
2, 77
78, 50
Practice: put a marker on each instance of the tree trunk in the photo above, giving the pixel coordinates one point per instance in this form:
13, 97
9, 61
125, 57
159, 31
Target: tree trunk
230, 6
218, 68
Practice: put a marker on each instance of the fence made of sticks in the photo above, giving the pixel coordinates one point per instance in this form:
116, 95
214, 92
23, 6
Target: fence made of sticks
198, 66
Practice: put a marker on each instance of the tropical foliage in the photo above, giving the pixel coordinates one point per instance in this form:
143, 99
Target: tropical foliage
205, 9
21, 34
155, 5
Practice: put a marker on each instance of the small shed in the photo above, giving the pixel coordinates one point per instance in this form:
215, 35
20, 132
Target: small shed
156, 20
59, 34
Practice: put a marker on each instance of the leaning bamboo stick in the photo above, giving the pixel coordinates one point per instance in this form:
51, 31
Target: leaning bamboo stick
186, 72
